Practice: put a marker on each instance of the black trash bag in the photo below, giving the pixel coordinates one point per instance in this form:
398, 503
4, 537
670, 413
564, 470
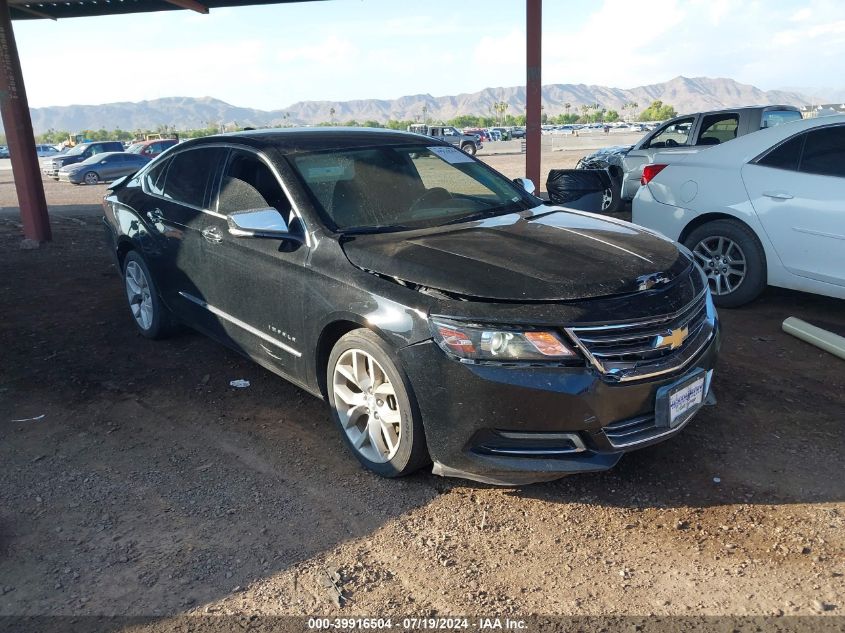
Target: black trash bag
578, 188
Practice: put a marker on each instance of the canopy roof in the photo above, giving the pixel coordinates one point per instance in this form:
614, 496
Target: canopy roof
27, 10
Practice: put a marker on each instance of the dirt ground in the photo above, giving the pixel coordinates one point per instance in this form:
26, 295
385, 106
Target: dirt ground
136, 481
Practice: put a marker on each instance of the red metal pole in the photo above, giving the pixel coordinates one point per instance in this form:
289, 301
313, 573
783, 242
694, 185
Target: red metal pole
533, 89
19, 137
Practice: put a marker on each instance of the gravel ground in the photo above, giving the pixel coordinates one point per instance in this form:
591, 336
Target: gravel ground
135, 481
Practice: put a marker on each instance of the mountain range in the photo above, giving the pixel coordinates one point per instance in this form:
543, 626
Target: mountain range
684, 93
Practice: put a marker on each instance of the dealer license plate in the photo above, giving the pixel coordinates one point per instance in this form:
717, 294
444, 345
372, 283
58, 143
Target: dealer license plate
684, 398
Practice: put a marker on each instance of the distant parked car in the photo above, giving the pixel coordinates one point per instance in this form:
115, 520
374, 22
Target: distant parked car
765, 208
4, 151
103, 167
77, 154
151, 149
518, 132
42, 151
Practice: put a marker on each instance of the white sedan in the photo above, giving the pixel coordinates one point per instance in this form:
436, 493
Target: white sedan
768, 207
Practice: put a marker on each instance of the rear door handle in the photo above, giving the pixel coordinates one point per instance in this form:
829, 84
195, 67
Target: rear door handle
778, 195
212, 234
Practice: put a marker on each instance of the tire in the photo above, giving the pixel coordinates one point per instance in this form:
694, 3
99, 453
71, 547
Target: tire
611, 198
368, 435
469, 148
149, 314
91, 178
711, 246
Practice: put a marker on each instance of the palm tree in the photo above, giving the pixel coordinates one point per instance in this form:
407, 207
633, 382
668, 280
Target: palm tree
331, 113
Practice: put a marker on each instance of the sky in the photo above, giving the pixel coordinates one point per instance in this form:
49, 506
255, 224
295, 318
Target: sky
273, 56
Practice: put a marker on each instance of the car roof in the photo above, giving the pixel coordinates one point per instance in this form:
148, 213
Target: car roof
292, 140
155, 140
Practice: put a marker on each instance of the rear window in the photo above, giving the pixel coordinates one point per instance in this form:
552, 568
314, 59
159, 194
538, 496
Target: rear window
772, 118
824, 152
786, 155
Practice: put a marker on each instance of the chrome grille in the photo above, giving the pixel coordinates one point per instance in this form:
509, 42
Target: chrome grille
628, 351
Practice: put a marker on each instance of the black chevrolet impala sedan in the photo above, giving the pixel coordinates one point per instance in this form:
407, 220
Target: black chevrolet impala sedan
446, 314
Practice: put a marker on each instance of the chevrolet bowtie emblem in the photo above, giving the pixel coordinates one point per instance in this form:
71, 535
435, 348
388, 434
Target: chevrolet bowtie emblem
673, 340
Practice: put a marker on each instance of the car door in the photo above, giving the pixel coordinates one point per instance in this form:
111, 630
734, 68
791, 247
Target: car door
797, 189
110, 166
258, 285
674, 136
178, 212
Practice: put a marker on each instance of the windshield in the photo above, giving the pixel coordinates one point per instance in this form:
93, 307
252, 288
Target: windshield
135, 148
772, 118
396, 188
75, 151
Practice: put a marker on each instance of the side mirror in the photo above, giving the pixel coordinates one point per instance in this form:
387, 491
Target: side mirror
525, 183
267, 223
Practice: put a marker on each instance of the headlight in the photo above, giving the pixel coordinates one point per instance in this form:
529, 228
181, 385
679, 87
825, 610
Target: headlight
496, 343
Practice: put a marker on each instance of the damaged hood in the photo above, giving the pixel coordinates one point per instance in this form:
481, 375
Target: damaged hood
548, 254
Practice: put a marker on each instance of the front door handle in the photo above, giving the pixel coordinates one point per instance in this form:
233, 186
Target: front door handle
212, 234
155, 216
778, 195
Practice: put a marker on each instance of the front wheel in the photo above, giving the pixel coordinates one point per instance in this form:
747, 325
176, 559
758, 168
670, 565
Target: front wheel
469, 148
733, 260
91, 178
151, 317
372, 403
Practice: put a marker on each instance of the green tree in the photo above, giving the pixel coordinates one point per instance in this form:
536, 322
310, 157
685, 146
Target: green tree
658, 111
611, 116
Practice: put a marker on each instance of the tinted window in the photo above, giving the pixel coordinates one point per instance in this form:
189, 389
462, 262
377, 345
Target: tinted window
249, 184
772, 118
824, 152
672, 135
153, 179
786, 155
189, 174
718, 128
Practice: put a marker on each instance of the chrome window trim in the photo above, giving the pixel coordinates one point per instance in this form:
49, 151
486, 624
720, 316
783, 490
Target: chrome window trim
241, 324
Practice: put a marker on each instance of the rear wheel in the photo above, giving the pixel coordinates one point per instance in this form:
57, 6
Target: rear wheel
91, 178
610, 198
469, 148
372, 403
733, 260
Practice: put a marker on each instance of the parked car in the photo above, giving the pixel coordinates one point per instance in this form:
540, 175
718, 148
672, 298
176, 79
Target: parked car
504, 133
102, 167
518, 132
4, 151
694, 130
43, 151
77, 154
466, 142
445, 313
765, 208
153, 148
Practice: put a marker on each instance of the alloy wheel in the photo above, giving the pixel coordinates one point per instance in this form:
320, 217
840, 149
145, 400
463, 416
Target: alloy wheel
139, 294
365, 401
606, 199
723, 262
91, 178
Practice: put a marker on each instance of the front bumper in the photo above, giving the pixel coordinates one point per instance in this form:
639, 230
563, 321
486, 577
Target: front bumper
518, 425
65, 176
